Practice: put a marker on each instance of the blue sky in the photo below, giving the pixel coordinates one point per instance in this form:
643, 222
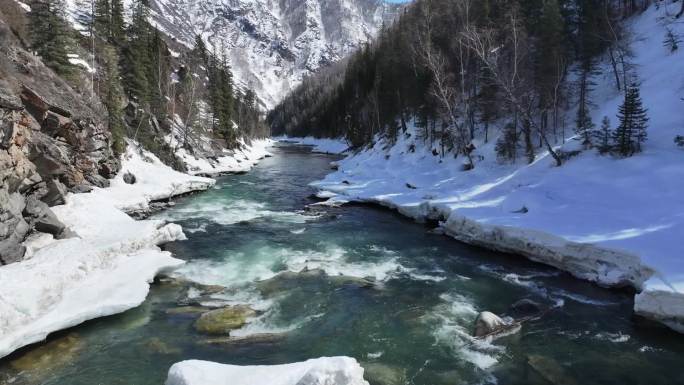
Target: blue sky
397, 1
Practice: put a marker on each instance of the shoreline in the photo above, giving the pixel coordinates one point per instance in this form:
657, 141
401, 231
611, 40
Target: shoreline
588, 262
108, 267
613, 268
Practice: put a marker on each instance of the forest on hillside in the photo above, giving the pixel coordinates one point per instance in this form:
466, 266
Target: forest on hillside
147, 90
519, 72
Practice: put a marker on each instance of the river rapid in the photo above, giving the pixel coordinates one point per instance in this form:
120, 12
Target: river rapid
357, 281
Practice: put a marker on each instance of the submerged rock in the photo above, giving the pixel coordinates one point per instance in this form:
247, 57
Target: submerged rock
50, 356
488, 323
222, 321
383, 374
526, 307
187, 310
550, 370
156, 345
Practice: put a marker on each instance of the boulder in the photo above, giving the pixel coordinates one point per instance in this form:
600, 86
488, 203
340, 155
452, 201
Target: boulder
129, 178
550, 370
44, 219
13, 227
55, 124
82, 189
7, 128
8, 99
97, 180
526, 306
488, 323
222, 321
56, 193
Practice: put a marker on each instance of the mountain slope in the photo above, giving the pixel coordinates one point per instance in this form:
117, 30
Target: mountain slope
616, 221
273, 44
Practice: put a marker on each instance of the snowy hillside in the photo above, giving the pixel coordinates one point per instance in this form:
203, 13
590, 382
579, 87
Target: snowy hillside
273, 44
602, 218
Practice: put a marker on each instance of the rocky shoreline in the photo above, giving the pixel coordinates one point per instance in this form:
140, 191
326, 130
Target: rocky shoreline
108, 265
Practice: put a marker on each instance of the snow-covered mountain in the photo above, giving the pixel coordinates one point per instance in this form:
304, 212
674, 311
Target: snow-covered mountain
273, 44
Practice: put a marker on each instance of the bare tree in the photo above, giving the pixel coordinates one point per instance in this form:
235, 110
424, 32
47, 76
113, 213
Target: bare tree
503, 60
443, 89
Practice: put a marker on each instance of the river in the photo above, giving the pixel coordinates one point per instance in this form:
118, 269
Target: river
395, 295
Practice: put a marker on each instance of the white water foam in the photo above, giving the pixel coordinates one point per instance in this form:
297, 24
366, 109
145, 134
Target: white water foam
454, 318
231, 211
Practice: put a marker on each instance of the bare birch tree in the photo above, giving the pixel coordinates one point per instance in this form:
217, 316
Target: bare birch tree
503, 60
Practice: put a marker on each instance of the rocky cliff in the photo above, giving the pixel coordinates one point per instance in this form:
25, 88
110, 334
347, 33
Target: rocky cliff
53, 140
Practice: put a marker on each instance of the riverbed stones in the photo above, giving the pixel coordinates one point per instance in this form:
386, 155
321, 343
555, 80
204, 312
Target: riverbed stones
550, 370
383, 374
157, 346
50, 356
488, 323
222, 321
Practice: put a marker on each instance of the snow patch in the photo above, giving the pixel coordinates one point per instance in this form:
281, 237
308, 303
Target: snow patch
319, 371
104, 271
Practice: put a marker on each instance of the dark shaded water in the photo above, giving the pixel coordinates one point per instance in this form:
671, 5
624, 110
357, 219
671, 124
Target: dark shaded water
407, 322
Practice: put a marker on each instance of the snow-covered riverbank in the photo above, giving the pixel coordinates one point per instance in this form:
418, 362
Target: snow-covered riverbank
617, 222
108, 267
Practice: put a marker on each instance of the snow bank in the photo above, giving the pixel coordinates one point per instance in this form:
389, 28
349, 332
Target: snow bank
323, 145
104, 271
208, 157
613, 221
233, 161
319, 371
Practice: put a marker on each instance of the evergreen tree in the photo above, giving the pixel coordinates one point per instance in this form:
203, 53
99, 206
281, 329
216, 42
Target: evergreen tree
583, 123
631, 133
136, 63
113, 97
603, 136
117, 27
50, 35
671, 41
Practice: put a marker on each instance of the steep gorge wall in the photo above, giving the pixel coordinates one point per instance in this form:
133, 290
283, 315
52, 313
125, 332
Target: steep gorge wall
53, 140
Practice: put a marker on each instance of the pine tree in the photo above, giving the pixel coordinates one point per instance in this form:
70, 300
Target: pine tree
117, 27
671, 41
631, 133
603, 136
50, 35
583, 123
136, 63
113, 97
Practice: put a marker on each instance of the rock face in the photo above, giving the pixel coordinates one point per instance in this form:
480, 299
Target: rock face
52, 141
273, 44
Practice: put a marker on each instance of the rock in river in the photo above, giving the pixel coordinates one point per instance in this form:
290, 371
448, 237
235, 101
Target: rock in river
222, 321
488, 323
